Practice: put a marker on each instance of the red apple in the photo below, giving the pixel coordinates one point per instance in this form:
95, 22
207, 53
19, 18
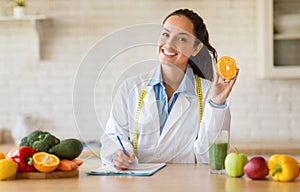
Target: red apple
256, 168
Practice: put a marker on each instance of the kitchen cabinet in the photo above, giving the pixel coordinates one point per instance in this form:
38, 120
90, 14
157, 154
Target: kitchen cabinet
35, 23
278, 42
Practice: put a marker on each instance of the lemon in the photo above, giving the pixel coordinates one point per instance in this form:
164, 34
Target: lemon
8, 168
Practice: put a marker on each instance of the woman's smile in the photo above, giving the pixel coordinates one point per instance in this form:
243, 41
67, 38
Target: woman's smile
169, 52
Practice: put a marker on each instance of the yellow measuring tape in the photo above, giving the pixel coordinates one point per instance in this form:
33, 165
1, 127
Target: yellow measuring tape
200, 106
199, 95
136, 119
140, 104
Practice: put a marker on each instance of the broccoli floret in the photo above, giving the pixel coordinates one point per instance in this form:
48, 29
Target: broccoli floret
40, 140
24, 142
40, 146
56, 141
51, 140
34, 136
41, 136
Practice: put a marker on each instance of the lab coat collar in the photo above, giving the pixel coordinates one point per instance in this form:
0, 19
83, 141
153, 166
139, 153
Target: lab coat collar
186, 86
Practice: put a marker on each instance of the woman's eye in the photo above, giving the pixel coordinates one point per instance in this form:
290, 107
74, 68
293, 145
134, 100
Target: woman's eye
182, 39
165, 34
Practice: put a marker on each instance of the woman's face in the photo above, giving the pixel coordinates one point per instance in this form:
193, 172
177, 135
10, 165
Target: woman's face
177, 42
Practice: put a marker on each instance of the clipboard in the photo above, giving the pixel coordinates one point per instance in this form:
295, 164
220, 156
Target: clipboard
141, 169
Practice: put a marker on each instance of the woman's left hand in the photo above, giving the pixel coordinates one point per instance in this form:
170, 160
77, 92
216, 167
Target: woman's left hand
221, 88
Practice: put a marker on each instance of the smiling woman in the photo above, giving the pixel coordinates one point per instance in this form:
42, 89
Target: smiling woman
176, 43
167, 114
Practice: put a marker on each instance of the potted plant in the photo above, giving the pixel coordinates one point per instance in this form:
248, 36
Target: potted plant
19, 9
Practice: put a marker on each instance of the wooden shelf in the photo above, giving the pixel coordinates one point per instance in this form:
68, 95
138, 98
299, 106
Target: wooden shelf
35, 21
24, 18
287, 36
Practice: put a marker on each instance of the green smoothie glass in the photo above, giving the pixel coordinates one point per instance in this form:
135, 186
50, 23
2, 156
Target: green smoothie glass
218, 146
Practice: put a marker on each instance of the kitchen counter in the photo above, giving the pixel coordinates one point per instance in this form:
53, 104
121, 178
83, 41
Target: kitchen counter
249, 148
175, 177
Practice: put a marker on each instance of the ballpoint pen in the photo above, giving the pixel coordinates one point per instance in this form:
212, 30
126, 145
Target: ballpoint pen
124, 150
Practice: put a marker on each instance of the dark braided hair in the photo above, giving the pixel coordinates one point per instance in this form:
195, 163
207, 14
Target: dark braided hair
202, 35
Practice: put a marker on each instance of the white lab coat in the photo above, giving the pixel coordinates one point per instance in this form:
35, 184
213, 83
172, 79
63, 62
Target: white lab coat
181, 139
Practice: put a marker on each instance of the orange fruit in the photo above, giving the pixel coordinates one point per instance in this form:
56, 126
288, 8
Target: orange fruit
45, 162
2, 156
226, 67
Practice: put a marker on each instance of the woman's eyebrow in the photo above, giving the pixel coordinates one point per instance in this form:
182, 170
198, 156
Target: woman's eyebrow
166, 29
181, 33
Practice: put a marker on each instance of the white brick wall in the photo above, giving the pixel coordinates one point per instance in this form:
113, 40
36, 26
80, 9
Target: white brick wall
262, 110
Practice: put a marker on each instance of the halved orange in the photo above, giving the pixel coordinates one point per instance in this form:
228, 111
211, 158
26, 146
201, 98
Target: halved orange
2, 156
45, 162
226, 67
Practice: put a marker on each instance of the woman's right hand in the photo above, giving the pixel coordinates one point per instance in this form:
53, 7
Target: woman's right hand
122, 161
221, 88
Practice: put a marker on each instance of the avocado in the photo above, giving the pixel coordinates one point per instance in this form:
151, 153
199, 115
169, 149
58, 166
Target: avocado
67, 149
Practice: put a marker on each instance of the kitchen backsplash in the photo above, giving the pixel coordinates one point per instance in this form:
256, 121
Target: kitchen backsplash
262, 110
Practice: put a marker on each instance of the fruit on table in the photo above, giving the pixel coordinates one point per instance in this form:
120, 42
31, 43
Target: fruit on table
67, 149
45, 162
234, 164
2, 156
226, 67
283, 168
41, 141
256, 168
8, 168
23, 157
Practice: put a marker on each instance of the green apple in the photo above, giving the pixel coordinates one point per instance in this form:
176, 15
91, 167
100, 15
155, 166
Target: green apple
234, 164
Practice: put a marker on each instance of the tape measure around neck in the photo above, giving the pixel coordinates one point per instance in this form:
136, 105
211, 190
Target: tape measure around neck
199, 95
136, 119
200, 106
140, 104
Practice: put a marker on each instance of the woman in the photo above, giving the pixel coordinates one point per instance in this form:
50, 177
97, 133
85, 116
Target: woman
167, 114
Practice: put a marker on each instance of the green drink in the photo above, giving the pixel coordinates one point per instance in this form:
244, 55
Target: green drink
218, 146
217, 155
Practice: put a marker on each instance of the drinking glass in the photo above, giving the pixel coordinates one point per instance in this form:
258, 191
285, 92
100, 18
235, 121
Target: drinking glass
218, 146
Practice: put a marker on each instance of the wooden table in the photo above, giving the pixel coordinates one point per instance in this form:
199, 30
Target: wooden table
174, 177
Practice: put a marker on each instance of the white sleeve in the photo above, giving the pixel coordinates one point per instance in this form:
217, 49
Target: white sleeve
213, 121
117, 124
